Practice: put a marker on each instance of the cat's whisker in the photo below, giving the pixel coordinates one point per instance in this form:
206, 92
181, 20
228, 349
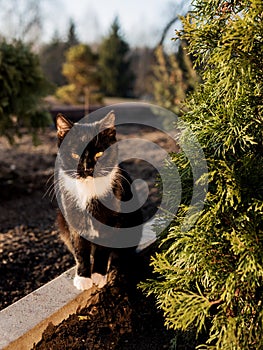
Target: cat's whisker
53, 188
57, 188
49, 191
71, 172
119, 176
51, 177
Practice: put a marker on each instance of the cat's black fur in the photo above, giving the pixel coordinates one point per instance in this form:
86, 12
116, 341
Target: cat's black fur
92, 258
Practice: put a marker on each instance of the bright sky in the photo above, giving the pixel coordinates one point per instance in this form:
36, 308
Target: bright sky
142, 21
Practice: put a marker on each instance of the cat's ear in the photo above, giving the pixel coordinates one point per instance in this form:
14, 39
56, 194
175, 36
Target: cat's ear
63, 125
107, 124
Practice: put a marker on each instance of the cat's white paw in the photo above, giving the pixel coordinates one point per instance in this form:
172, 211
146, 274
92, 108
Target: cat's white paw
99, 279
82, 283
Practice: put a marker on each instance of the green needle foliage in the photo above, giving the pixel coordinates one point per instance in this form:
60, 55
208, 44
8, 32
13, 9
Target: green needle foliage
81, 71
22, 85
114, 63
210, 278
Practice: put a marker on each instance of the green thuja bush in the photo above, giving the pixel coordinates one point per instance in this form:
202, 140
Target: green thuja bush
22, 85
210, 278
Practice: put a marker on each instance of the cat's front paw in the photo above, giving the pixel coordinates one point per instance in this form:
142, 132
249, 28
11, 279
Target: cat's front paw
82, 283
99, 280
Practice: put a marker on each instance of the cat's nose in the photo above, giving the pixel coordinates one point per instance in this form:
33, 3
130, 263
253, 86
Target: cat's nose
88, 169
88, 172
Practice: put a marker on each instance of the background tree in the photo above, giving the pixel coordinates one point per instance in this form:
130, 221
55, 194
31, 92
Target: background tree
22, 85
173, 77
52, 55
211, 277
21, 20
81, 72
114, 64
72, 38
141, 61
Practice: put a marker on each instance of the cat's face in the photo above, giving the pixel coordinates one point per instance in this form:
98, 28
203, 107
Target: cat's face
86, 152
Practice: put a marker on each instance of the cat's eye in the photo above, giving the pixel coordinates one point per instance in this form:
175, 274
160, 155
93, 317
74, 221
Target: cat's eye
74, 155
98, 155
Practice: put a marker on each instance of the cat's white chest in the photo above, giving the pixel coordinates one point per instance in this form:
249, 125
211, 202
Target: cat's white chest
83, 190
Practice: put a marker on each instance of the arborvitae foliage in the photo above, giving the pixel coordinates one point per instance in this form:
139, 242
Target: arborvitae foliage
173, 78
210, 277
81, 71
114, 65
22, 85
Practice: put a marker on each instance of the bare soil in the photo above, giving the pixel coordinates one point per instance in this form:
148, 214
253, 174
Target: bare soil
33, 254
31, 251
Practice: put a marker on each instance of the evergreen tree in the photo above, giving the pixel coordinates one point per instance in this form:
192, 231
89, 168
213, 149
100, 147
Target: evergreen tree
142, 60
72, 39
22, 85
211, 277
52, 57
173, 78
114, 65
81, 71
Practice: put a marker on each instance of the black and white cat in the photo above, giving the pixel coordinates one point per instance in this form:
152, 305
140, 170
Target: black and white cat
92, 190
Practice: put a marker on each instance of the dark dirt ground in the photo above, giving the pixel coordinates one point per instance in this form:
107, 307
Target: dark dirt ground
32, 254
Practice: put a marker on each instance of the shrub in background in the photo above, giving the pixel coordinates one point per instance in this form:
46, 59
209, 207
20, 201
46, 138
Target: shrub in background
81, 72
173, 78
22, 85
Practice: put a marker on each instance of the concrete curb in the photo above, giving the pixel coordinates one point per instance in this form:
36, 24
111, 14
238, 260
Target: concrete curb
22, 323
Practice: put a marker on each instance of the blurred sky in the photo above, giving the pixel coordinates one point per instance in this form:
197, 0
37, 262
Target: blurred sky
142, 21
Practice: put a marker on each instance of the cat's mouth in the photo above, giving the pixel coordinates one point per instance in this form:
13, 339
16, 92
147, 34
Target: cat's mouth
85, 174
86, 177
89, 177
92, 174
